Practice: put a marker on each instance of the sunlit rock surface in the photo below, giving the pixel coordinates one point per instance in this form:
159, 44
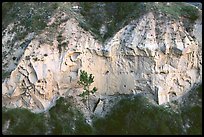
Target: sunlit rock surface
154, 55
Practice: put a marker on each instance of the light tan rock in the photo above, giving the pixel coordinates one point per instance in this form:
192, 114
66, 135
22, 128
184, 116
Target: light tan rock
128, 63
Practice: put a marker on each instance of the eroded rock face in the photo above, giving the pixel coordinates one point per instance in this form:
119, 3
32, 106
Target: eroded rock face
152, 55
12, 47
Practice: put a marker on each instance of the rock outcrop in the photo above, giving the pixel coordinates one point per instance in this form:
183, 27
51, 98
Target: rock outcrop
154, 55
12, 47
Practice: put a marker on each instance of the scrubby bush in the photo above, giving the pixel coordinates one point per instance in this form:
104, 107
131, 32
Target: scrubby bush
112, 14
85, 81
23, 122
132, 115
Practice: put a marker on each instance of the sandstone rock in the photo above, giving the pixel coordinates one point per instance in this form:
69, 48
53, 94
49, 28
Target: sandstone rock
17, 92
128, 63
99, 108
32, 77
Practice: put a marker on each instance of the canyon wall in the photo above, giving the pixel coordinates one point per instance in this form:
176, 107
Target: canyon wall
153, 55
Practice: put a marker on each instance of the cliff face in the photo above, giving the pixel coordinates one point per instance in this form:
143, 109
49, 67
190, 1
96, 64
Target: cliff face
153, 55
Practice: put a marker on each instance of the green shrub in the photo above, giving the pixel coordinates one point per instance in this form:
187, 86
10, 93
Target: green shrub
23, 122
86, 80
67, 120
64, 119
131, 115
114, 14
178, 9
33, 16
138, 116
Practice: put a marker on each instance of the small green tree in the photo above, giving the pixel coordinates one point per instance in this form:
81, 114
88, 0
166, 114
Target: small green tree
85, 81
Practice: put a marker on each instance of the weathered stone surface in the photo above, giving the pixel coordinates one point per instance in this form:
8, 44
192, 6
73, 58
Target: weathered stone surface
99, 108
137, 59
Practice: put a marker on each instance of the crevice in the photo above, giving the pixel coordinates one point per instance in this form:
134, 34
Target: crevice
94, 108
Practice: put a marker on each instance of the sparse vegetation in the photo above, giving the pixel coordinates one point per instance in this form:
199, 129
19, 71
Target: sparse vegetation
66, 119
92, 16
33, 16
132, 115
5, 74
23, 122
137, 116
63, 119
116, 15
113, 14
176, 10
140, 117
85, 81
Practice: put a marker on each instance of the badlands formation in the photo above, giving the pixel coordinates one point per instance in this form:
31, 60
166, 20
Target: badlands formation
153, 55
